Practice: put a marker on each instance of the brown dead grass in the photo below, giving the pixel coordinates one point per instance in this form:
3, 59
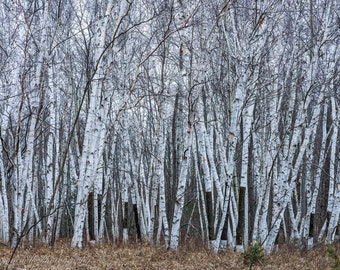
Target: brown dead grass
143, 256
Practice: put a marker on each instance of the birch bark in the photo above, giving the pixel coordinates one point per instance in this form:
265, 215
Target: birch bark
334, 193
95, 128
4, 223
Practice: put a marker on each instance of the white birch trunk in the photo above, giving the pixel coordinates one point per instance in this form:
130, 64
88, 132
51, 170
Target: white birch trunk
247, 126
334, 195
233, 137
179, 203
265, 166
201, 142
4, 222
281, 203
163, 219
95, 128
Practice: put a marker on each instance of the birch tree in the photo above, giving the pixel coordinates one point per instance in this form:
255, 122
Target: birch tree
161, 121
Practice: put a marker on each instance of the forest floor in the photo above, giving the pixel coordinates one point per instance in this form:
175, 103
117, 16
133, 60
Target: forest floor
141, 256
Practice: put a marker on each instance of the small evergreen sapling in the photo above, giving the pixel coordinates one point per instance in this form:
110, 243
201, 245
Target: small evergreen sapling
253, 254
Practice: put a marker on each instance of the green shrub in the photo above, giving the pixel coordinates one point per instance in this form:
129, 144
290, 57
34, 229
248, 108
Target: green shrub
332, 254
253, 254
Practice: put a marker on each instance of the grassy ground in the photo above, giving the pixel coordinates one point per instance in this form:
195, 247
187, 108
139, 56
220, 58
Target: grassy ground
140, 256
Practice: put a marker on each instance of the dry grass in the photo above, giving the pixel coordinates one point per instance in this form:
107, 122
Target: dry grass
142, 256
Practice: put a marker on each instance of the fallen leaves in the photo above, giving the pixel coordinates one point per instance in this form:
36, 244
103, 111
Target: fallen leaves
139, 256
